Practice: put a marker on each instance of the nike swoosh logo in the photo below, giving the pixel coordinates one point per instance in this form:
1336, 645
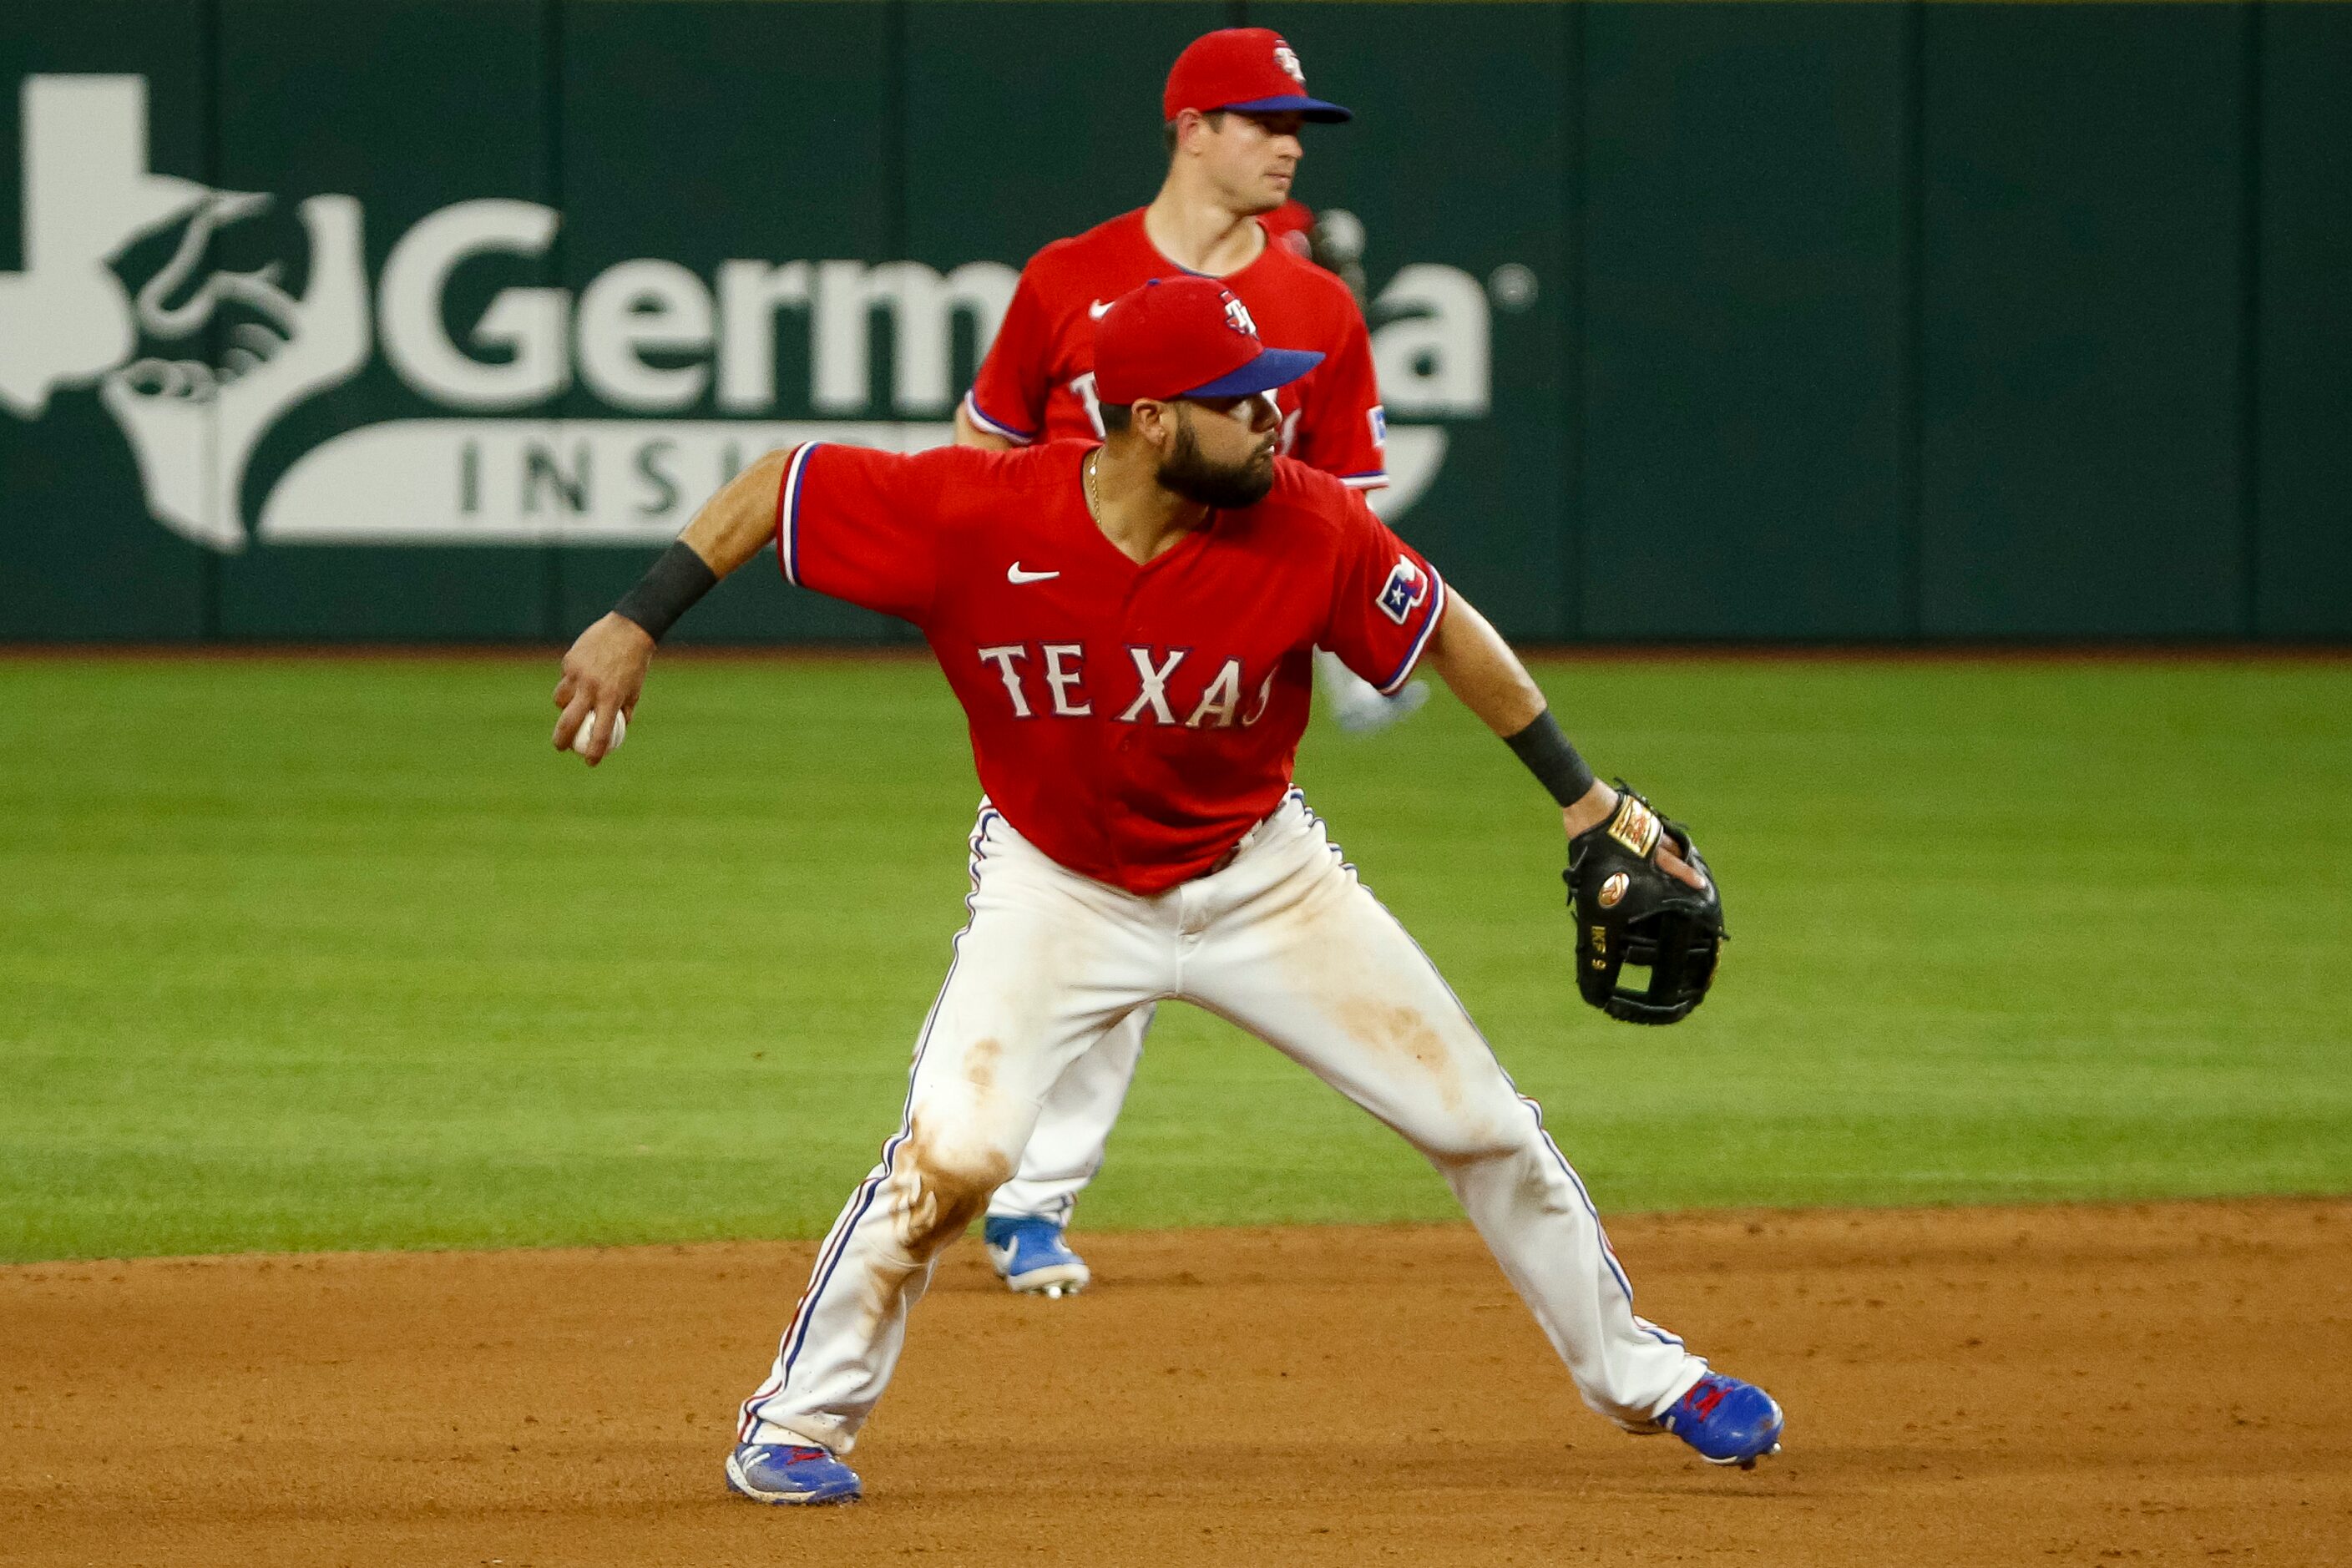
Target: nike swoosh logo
1014, 575
1098, 310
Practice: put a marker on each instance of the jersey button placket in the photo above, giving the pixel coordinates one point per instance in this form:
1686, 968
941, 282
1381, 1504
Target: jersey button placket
1191, 903
1117, 741
1123, 742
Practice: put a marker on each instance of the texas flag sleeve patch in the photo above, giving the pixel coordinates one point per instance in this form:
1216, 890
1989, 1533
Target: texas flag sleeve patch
1405, 591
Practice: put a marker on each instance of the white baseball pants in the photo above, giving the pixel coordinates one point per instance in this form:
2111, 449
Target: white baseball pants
1286, 942
1074, 1123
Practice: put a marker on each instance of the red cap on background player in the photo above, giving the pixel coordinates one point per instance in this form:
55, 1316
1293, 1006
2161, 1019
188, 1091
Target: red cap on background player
1187, 337
1247, 69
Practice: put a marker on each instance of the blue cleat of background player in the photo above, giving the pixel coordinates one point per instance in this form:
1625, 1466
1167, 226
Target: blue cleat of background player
1728, 1421
1031, 1259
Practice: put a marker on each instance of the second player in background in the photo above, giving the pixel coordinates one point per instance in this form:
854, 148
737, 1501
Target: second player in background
1235, 104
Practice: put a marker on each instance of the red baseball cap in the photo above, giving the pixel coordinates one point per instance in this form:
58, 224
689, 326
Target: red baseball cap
1187, 337
1247, 69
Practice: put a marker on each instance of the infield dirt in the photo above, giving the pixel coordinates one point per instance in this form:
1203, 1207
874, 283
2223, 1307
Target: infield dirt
2156, 1383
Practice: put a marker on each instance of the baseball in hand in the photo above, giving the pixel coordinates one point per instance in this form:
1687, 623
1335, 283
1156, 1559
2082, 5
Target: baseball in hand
587, 731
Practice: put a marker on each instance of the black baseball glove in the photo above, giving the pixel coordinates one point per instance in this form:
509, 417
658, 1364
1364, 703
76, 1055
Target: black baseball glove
1628, 910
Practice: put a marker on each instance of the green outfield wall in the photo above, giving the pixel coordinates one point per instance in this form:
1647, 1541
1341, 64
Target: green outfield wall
430, 319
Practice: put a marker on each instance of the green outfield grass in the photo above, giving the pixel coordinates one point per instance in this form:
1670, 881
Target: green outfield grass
336, 953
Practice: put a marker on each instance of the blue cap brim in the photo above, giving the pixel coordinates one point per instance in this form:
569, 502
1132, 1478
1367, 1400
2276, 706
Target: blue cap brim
1272, 368
1305, 108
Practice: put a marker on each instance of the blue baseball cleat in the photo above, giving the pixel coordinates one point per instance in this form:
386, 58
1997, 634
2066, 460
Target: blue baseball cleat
1728, 1421
782, 1473
1031, 1258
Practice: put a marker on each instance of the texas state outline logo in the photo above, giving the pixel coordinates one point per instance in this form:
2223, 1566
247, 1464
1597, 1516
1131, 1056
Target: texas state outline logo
69, 320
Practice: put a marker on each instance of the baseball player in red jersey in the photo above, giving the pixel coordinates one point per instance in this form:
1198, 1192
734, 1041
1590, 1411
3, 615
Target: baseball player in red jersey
1128, 627
1233, 106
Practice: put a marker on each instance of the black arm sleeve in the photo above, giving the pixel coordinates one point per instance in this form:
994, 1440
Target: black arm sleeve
668, 590
1551, 759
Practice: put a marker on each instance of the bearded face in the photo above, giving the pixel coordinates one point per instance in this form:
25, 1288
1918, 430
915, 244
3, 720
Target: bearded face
1193, 473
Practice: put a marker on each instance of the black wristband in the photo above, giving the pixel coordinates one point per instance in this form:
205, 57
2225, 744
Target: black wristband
668, 590
1551, 759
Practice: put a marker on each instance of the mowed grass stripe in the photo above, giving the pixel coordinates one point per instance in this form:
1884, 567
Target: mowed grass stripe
337, 954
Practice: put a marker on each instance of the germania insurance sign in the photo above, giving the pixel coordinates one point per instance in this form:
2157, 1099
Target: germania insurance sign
126, 293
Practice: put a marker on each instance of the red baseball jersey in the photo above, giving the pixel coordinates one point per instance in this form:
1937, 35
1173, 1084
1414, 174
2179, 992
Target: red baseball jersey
1037, 382
1133, 722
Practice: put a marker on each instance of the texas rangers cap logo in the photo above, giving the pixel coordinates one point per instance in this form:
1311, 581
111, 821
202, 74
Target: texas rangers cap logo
1407, 586
1237, 317
1287, 58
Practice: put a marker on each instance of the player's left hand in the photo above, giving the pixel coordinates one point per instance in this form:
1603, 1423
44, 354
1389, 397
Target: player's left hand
604, 673
1642, 896
1599, 805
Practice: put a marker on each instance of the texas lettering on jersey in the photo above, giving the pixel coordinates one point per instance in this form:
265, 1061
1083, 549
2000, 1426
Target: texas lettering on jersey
1062, 668
1132, 720
1037, 382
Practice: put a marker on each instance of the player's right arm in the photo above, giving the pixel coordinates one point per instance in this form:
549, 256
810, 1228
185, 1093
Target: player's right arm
844, 522
1006, 405
968, 433
605, 670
